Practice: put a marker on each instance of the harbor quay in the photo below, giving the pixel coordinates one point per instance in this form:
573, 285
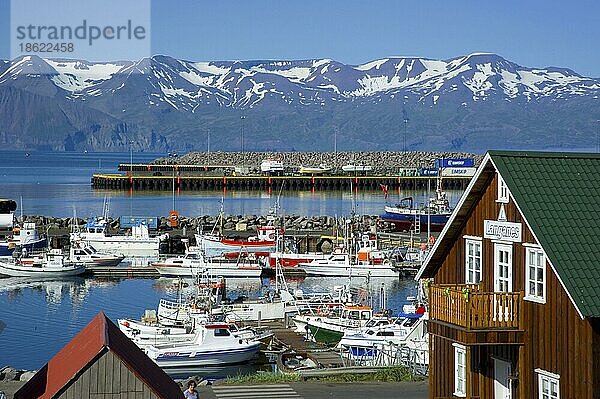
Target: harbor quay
292, 171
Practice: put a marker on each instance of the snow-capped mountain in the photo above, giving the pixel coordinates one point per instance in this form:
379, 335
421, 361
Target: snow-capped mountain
162, 99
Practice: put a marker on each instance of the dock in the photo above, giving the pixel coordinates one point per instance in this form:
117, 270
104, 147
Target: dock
326, 357
122, 271
139, 181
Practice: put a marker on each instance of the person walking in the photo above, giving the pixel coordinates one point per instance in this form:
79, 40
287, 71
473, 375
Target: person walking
190, 392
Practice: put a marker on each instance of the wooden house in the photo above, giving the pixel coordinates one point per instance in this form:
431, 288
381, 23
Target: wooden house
514, 282
100, 363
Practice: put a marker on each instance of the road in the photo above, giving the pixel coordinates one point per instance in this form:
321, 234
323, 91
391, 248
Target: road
318, 390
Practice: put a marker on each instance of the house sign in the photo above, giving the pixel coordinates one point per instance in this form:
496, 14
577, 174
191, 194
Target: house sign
504, 231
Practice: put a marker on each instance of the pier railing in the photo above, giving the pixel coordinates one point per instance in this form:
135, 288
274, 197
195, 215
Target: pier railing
466, 306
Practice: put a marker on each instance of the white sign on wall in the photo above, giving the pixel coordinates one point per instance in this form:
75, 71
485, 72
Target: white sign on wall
504, 231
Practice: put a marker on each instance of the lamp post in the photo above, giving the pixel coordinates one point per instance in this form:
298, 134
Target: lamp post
208, 141
404, 120
242, 118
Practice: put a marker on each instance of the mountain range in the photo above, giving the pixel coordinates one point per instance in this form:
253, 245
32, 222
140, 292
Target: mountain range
469, 103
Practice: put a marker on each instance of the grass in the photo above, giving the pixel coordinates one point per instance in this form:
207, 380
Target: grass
388, 374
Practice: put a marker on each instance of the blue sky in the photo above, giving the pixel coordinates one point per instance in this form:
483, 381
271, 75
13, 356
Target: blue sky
532, 33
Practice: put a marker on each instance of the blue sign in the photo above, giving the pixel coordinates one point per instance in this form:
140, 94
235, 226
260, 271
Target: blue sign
455, 162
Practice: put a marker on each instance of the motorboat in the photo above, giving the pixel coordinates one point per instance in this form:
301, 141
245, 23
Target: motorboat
217, 245
195, 262
341, 265
213, 344
432, 216
138, 243
87, 255
51, 265
329, 326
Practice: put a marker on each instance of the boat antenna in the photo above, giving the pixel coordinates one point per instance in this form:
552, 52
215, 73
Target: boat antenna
21, 206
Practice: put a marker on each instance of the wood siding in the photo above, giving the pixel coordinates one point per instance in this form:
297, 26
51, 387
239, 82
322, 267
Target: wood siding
556, 339
107, 378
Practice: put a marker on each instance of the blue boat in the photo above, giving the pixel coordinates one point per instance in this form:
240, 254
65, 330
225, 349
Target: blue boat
404, 215
28, 239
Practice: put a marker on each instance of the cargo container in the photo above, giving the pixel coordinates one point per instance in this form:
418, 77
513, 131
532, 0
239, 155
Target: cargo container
127, 222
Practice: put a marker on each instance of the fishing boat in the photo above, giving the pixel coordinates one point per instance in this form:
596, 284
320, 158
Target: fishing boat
50, 265
329, 327
314, 170
342, 265
218, 245
138, 243
194, 262
88, 256
433, 216
213, 344
28, 239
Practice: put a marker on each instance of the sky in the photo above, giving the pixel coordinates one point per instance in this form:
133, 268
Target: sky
532, 33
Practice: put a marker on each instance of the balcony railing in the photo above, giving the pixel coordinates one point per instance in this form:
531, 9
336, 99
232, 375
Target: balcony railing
466, 306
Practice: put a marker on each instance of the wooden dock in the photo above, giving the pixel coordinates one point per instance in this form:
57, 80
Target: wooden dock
134, 181
122, 271
326, 357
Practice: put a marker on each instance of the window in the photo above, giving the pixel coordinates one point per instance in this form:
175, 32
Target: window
221, 332
473, 261
548, 385
460, 370
535, 274
502, 190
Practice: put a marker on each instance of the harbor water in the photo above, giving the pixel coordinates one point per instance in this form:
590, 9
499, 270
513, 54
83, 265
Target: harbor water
39, 318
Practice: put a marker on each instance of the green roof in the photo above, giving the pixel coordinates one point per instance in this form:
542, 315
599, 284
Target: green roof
559, 196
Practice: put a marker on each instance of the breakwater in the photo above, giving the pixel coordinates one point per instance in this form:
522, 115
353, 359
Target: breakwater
382, 162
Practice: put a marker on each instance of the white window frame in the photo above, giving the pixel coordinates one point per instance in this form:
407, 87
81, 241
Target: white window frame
509, 279
534, 297
550, 378
460, 350
503, 193
476, 242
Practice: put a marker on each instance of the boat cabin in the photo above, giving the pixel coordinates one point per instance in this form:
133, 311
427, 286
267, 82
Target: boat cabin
513, 282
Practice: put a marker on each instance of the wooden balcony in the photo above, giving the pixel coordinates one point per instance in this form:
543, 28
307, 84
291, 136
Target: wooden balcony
475, 317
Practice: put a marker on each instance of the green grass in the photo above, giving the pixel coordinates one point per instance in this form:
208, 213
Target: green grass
388, 374
263, 378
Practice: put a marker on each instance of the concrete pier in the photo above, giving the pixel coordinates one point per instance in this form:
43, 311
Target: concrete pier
163, 183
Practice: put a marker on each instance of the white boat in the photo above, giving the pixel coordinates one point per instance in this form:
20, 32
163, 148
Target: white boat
314, 170
213, 344
216, 245
275, 306
138, 243
87, 255
330, 327
269, 166
50, 265
194, 262
357, 168
340, 265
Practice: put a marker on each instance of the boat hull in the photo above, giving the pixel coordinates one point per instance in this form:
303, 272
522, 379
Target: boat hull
119, 246
14, 270
7, 249
405, 221
214, 246
206, 358
350, 271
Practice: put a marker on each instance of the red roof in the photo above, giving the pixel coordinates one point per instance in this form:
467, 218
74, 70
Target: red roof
99, 335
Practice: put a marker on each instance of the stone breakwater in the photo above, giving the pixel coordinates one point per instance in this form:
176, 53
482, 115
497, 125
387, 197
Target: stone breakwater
241, 223
380, 161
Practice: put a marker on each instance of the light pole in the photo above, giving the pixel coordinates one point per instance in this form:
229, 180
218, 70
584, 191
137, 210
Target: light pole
242, 118
208, 141
172, 156
335, 129
405, 121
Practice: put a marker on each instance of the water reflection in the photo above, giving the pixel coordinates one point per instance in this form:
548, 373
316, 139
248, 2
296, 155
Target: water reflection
40, 317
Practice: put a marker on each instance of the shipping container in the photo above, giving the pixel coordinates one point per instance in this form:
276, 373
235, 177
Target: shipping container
127, 222
455, 162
